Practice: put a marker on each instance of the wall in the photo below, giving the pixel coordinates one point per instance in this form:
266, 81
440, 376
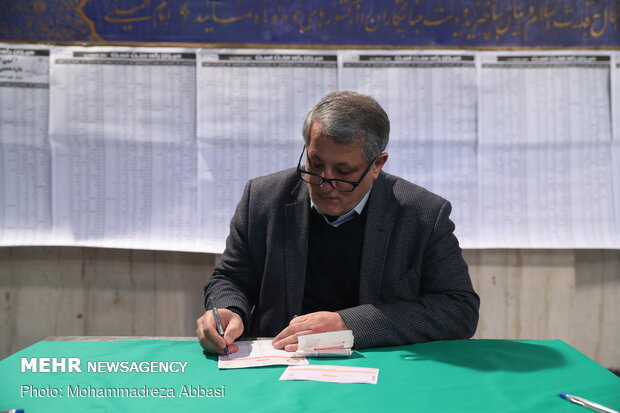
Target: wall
570, 295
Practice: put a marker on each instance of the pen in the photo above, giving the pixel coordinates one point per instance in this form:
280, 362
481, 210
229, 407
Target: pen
13, 411
218, 321
587, 403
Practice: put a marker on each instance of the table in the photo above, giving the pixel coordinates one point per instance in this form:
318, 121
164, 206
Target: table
444, 376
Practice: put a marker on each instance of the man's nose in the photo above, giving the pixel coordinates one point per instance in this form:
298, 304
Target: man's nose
326, 187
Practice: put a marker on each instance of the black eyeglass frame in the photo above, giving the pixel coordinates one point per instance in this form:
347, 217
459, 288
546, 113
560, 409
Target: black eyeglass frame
301, 172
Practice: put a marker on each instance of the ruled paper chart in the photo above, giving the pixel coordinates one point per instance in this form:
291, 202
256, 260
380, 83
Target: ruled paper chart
124, 147
615, 87
545, 151
431, 101
251, 107
25, 154
150, 148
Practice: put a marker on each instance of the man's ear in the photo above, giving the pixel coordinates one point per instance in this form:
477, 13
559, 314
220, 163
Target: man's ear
379, 162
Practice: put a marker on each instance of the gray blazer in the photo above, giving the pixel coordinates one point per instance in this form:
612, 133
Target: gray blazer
414, 282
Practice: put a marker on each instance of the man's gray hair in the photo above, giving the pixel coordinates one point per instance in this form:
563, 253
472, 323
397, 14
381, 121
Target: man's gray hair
349, 117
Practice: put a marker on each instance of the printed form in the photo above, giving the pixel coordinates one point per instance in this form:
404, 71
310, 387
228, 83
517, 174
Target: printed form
332, 374
258, 353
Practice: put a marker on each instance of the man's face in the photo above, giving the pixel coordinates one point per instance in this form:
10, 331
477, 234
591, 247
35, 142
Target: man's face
331, 159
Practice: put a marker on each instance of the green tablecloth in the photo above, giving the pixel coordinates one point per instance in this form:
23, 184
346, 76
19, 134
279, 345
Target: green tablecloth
448, 376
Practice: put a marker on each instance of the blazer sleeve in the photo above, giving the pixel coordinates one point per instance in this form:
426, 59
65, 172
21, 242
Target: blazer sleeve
445, 306
234, 282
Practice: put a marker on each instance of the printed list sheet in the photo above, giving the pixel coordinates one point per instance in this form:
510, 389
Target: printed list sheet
25, 155
430, 99
124, 147
251, 107
545, 151
150, 148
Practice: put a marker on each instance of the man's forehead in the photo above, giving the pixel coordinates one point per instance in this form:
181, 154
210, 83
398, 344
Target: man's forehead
339, 162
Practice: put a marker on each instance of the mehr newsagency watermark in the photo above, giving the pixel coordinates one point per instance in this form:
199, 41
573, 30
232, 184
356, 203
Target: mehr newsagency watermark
73, 365
88, 391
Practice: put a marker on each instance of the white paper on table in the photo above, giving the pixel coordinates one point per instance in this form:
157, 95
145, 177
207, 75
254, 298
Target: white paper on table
332, 374
258, 353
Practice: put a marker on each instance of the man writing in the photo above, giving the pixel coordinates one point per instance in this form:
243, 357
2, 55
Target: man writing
338, 244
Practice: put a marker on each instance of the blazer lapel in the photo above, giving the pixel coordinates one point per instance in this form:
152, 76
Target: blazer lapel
379, 223
296, 221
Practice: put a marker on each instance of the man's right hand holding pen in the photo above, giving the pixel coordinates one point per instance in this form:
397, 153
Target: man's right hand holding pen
208, 335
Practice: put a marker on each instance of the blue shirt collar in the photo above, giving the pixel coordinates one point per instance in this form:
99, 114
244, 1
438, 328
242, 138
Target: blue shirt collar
349, 215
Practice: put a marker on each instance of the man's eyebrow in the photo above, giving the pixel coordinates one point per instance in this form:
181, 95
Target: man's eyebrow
347, 165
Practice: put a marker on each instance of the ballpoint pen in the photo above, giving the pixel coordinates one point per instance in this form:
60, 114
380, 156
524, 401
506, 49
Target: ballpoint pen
218, 321
587, 403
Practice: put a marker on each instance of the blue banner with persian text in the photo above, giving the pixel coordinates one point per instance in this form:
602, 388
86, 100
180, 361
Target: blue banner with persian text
401, 23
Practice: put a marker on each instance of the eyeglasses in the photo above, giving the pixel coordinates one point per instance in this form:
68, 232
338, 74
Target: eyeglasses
341, 185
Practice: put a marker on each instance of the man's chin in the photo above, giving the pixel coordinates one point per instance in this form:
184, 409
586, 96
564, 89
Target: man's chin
324, 208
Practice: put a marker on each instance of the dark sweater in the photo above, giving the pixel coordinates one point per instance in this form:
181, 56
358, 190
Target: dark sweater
334, 259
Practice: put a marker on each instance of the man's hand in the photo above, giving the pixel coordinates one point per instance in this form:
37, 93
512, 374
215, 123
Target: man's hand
319, 322
210, 340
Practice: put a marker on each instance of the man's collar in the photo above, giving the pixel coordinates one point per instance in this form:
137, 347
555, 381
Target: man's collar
349, 215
